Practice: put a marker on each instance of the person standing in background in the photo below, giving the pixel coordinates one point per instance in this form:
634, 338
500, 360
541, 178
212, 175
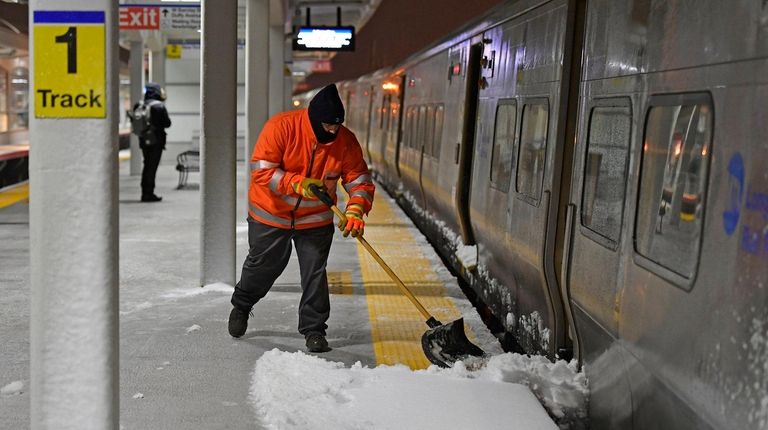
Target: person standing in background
152, 141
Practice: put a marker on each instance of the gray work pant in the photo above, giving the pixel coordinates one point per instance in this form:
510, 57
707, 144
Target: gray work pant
270, 249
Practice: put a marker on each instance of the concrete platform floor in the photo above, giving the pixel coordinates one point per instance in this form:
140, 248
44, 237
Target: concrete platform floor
179, 368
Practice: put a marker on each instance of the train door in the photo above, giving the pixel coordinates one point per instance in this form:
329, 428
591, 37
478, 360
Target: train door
465, 149
422, 127
369, 121
428, 166
383, 134
396, 140
595, 215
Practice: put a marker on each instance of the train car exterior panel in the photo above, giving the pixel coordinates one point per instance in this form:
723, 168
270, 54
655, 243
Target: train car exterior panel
424, 91
529, 103
646, 36
662, 236
384, 97
663, 299
714, 260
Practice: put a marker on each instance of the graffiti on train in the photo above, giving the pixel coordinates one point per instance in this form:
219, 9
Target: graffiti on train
754, 229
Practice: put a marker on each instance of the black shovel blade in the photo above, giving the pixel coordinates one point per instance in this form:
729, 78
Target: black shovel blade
446, 344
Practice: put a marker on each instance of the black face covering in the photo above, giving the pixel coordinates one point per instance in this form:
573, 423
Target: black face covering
322, 135
325, 107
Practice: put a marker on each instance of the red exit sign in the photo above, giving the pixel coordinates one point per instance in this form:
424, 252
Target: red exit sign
139, 17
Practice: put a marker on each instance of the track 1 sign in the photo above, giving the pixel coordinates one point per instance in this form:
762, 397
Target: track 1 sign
70, 64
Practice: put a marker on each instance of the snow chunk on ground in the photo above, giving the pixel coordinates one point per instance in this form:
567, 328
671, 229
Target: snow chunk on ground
299, 391
467, 255
218, 287
193, 328
13, 388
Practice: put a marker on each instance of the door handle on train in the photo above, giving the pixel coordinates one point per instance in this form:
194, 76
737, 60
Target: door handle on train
565, 270
456, 156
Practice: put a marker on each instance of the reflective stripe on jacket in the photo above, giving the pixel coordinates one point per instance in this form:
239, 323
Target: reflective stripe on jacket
282, 157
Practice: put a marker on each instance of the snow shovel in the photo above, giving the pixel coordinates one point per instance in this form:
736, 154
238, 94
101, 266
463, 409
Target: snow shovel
443, 344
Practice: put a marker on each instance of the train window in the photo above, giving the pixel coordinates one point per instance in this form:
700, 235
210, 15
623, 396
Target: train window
414, 140
382, 110
3, 100
438, 137
605, 168
385, 100
673, 180
410, 119
503, 140
429, 129
420, 127
18, 98
392, 114
533, 148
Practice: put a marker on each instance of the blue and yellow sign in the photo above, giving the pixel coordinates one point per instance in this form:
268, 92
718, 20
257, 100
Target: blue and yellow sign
70, 64
173, 52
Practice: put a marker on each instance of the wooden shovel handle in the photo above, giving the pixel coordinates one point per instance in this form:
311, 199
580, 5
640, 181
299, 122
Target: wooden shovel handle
325, 198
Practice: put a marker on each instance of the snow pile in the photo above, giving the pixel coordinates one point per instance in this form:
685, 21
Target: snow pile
559, 386
299, 391
12, 389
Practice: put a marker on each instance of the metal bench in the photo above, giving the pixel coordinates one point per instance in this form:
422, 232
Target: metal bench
187, 161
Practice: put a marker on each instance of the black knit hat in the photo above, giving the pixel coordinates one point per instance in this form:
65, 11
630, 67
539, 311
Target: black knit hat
326, 106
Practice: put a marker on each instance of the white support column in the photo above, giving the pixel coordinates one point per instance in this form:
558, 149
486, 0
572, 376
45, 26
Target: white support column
73, 215
136, 66
256, 77
276, 69
218, 146
157, 66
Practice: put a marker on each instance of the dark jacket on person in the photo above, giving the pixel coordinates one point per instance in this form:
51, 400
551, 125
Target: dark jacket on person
158, 117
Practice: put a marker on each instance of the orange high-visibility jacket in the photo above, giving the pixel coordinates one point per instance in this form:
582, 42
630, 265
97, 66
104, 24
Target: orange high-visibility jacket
282, 156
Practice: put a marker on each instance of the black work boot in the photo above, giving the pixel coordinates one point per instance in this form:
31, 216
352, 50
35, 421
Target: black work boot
238, 322
150, 198
317, 343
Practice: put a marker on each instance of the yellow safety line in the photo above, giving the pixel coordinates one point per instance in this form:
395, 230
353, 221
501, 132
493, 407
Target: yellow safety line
340, 283
14, 194
396, 325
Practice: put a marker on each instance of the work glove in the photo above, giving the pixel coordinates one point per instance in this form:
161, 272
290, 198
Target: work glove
354, 221
302, 187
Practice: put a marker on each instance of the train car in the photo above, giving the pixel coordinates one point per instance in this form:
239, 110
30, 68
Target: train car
667, 288
594, 171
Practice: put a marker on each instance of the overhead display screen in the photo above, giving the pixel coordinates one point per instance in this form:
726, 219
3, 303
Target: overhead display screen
325, 39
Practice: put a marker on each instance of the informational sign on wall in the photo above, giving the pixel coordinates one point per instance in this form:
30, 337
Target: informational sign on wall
154, 17
70, 64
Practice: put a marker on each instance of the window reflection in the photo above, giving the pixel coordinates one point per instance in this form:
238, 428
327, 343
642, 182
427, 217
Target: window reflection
673, 185
3, 100
503, 140
18, 105
533, 148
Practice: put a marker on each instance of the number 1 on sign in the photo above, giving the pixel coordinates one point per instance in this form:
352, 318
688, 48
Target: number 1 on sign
70, 38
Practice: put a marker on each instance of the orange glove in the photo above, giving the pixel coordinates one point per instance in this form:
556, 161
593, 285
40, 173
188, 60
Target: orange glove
302, 187
354, 221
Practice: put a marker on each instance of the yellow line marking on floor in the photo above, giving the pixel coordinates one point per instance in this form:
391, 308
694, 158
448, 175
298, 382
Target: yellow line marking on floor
340, 283
14, 194
396, 325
